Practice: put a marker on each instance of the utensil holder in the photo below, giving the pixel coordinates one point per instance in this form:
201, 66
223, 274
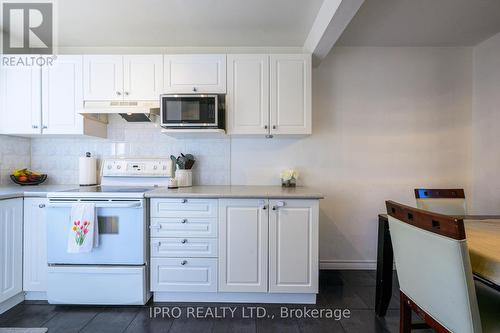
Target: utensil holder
184, 177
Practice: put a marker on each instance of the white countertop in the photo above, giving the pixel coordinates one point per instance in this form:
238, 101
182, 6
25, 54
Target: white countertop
17, 191
240, 191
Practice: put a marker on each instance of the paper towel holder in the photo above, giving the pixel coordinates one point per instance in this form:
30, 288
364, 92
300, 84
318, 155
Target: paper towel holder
87, 170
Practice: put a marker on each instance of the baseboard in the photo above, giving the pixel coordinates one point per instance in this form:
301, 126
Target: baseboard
348, 264
11, 302
200, 297
35, 296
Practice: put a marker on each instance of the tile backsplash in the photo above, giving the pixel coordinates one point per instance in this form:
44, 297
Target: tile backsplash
59, 156
14, 154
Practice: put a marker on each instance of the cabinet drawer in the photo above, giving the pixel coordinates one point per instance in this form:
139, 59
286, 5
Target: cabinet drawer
184, 208
183, 227
184, 274
184, 247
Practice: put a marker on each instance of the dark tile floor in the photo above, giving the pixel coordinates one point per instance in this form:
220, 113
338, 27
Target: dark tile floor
353, 290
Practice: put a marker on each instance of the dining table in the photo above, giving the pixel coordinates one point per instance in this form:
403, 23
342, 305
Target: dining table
483, 241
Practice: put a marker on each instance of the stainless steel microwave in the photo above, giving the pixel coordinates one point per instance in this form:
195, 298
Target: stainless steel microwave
191, 111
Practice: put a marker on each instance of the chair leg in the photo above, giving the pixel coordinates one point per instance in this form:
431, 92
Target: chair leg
404, 314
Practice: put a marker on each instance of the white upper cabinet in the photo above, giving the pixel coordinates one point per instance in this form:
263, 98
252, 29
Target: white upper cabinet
103, 77
247, 100
20, 100
243, 244
293, 246
11, 248
290, 98
143, 77
62, 89
195, 73
118, 78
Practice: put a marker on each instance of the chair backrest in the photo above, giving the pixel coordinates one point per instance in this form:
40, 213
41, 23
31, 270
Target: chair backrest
444, 201
433, 266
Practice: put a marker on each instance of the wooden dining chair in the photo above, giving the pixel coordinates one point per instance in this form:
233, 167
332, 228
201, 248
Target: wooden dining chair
444, 201
435, 276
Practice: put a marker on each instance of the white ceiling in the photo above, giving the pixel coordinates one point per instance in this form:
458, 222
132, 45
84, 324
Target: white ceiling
423, 23
110, 23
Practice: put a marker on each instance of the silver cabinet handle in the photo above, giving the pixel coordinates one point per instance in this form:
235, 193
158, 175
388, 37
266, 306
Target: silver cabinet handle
157, 226
118, 93
34, 126
44, 127
184, 241
278, 205
127, 93
184, 200
184, 262
194, 89
265, 126
184, 220
41, 206
264, 207
274, 126
158, 244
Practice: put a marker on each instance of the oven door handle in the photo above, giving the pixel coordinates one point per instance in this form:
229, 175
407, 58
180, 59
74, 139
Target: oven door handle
98, 205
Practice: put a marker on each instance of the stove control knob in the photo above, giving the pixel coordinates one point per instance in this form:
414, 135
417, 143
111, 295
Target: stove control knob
109, 166
118, 167
155, 167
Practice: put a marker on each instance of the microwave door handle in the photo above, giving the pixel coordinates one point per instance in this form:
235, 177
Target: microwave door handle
98, 205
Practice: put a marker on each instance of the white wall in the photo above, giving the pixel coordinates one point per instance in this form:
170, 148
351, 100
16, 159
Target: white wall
386, 120
486, 128
14, 154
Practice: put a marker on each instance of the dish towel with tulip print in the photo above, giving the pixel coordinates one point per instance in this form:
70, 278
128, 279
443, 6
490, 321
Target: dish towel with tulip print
84, 230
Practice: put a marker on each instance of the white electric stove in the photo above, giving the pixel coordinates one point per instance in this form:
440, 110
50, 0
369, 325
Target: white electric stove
114, 273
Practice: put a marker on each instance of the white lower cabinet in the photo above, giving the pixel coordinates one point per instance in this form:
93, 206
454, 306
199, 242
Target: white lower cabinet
184, 245
243, 237
11, 247
262, 250
293, 246
35, 245
184, 274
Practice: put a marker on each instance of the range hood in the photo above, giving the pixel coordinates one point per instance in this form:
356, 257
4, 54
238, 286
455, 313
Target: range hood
132, 111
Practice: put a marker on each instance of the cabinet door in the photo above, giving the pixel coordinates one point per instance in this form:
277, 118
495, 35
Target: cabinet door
195, 73
290, 94
102, 77
143, 77
243, 245
11, 248
62, 89
20, 100
35, 245
293, 246
247, 97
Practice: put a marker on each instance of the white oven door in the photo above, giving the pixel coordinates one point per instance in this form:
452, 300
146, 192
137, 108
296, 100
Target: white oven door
122, 233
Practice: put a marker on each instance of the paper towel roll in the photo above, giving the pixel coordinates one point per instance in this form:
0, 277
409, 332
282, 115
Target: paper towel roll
88, 170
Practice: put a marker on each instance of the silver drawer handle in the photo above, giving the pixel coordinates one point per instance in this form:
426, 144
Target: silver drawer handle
184, 241
41, 206
184, 200
184, 262
184, 221
158, 226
